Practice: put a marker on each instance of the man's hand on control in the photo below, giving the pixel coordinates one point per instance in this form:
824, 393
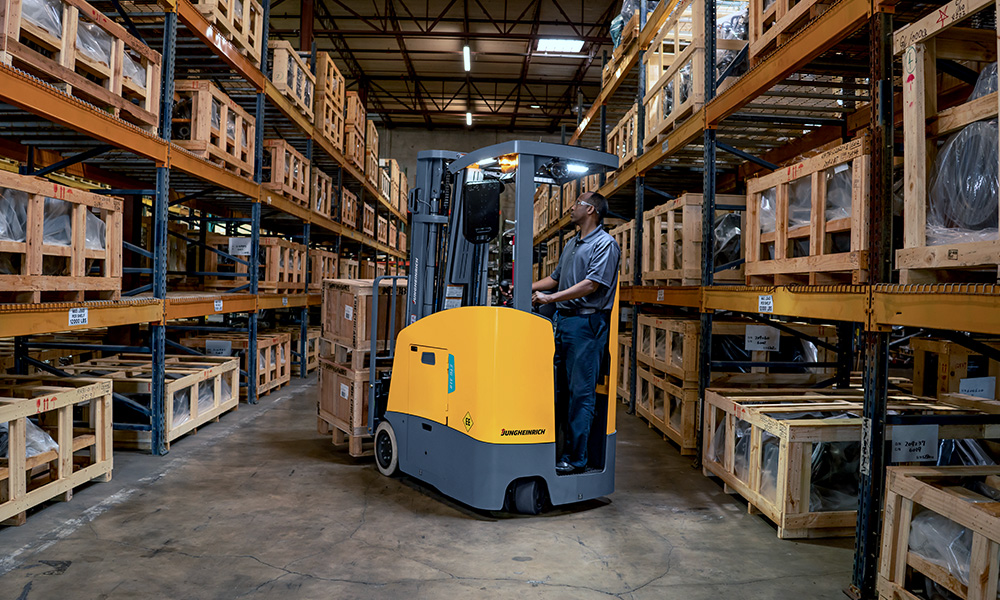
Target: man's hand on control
540, 298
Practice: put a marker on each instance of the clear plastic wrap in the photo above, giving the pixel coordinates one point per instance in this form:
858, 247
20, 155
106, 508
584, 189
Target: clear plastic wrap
728, 230
206, 396
799, 202
677, 350
717, 447
661, 344
132, 69
308, 92
13, 215
231, 125
962, 195
238, 10
731, 27
57, 226
962, 453
46, 14
942, 542
94, 42
768, 210
839, 180
770, 453
216, 115
37, 441
676, 412
290, 74
182, 407
741, 451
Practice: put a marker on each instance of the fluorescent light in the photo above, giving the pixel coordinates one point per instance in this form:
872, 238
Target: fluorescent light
468, 118
577, 168
467, 55
535, 106
487, 162
556, 45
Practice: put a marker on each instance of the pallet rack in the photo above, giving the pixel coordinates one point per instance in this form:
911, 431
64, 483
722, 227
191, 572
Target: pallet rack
813, 91
155, 175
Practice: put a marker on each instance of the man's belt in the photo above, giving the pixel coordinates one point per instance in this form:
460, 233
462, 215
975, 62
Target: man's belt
580, 312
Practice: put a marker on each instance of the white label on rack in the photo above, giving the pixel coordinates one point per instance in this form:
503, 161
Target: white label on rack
866, 443
765, 304
761, 337
77, 316
284, 301
914, 443
665, 145
349, 312
218, 305
219, 347
980, 387
659, 295
239, 246
344, 390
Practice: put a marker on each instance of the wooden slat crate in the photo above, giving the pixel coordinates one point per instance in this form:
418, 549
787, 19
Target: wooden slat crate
43, 407
771, 25
761, 444
323, 266
329, 81
404, 191
393, 235
939, 366
551, 260
210, 124
567, 197
372, 170
669, 408
672, 241
322, 190
240, 21
590, 183
354, 147
541, 215
348, 208
385, 186
51, 356
366, 269
83, 52
199, 389
675, 67
402, 241
347, 268
69, 248
382, 230
274, 356
355, 115
293, 77
624, 235
368, 219
615, 65
347, 312
371, 139
800, 228
948, 248
286, 171
313, 336
625, 366
328, 104
621, 140
925, 502
283, 265
342, 406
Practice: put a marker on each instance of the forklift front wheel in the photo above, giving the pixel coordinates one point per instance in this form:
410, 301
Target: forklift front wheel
386, 449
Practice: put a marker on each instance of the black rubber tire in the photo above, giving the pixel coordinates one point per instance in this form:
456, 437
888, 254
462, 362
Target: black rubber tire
386, 450
528, 498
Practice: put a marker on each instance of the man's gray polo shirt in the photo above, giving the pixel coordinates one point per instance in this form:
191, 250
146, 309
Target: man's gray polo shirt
595, 257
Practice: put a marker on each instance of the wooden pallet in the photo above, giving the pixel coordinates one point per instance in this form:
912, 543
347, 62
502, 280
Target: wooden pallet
774, 25
354, 147
837, 241
621, 140
322, 192
286, 171
293, 77
939, 366
312, 344
355, 115
382, 230
211, 125
923, 43
323, 265
81, 454
342, 406
675, 67
348, 208
347, 311
211, 380
956, 494
282, 263
368, 219
624, 236
274, 355
240, 21
672, 241
66, 267
83, 52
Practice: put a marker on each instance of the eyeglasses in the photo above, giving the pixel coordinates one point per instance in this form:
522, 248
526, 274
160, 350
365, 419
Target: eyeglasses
584, 203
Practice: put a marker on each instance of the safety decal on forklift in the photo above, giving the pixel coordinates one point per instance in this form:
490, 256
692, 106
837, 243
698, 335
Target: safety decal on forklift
467, 421
451, 373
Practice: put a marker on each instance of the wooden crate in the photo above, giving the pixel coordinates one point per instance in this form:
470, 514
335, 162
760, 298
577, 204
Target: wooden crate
372, 170
615, 66
240, 21
939, 366
625, 366
625, 237
348, 208
322, 190
672, 241
393, 235
964, 496
282, 263
348, 268
81, 454
371, 139
382, 230
213, 380
355, 116
63, 265
329, 81
366, 269
354, 147
323, 265
962, 255
368, 219
541, 215
552, 249
567, 197
293, 77
402, 241
836, 238
385, 186
675, 67
347, 312
590, 183
772, 26
621, 140
328, 108
274, 356
286, 171
110, 69
404, 191
211, 125
342, 406
669, 408
313, 336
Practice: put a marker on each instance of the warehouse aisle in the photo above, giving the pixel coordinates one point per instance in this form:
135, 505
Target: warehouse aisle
260, 506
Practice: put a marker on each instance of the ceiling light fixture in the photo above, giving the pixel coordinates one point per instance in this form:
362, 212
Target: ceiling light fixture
560, 45
468, 119
535, 106
467, 56
577, 168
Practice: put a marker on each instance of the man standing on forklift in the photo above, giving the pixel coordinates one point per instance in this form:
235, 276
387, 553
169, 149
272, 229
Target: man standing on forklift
585, 281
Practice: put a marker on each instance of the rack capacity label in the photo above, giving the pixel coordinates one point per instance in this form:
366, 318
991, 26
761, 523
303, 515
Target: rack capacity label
765, 304
218, 305
914, 443
239, 246
77, 316
761, 337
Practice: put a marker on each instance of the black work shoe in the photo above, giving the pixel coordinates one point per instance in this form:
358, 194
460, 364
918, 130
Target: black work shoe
564, 468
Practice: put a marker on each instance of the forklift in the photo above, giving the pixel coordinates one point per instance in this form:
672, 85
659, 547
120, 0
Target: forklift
468, 405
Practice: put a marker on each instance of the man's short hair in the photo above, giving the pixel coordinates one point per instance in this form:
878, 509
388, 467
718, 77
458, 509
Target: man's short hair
600, 204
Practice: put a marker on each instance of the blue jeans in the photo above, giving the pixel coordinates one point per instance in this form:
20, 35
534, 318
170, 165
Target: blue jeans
581, 342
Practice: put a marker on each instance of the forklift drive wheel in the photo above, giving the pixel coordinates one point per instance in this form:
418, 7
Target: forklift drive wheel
386, 449
528, 498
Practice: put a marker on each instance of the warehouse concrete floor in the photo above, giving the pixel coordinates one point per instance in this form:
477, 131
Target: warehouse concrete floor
260, 506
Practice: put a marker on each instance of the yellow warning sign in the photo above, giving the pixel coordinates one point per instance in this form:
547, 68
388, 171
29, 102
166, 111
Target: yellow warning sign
468, 422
